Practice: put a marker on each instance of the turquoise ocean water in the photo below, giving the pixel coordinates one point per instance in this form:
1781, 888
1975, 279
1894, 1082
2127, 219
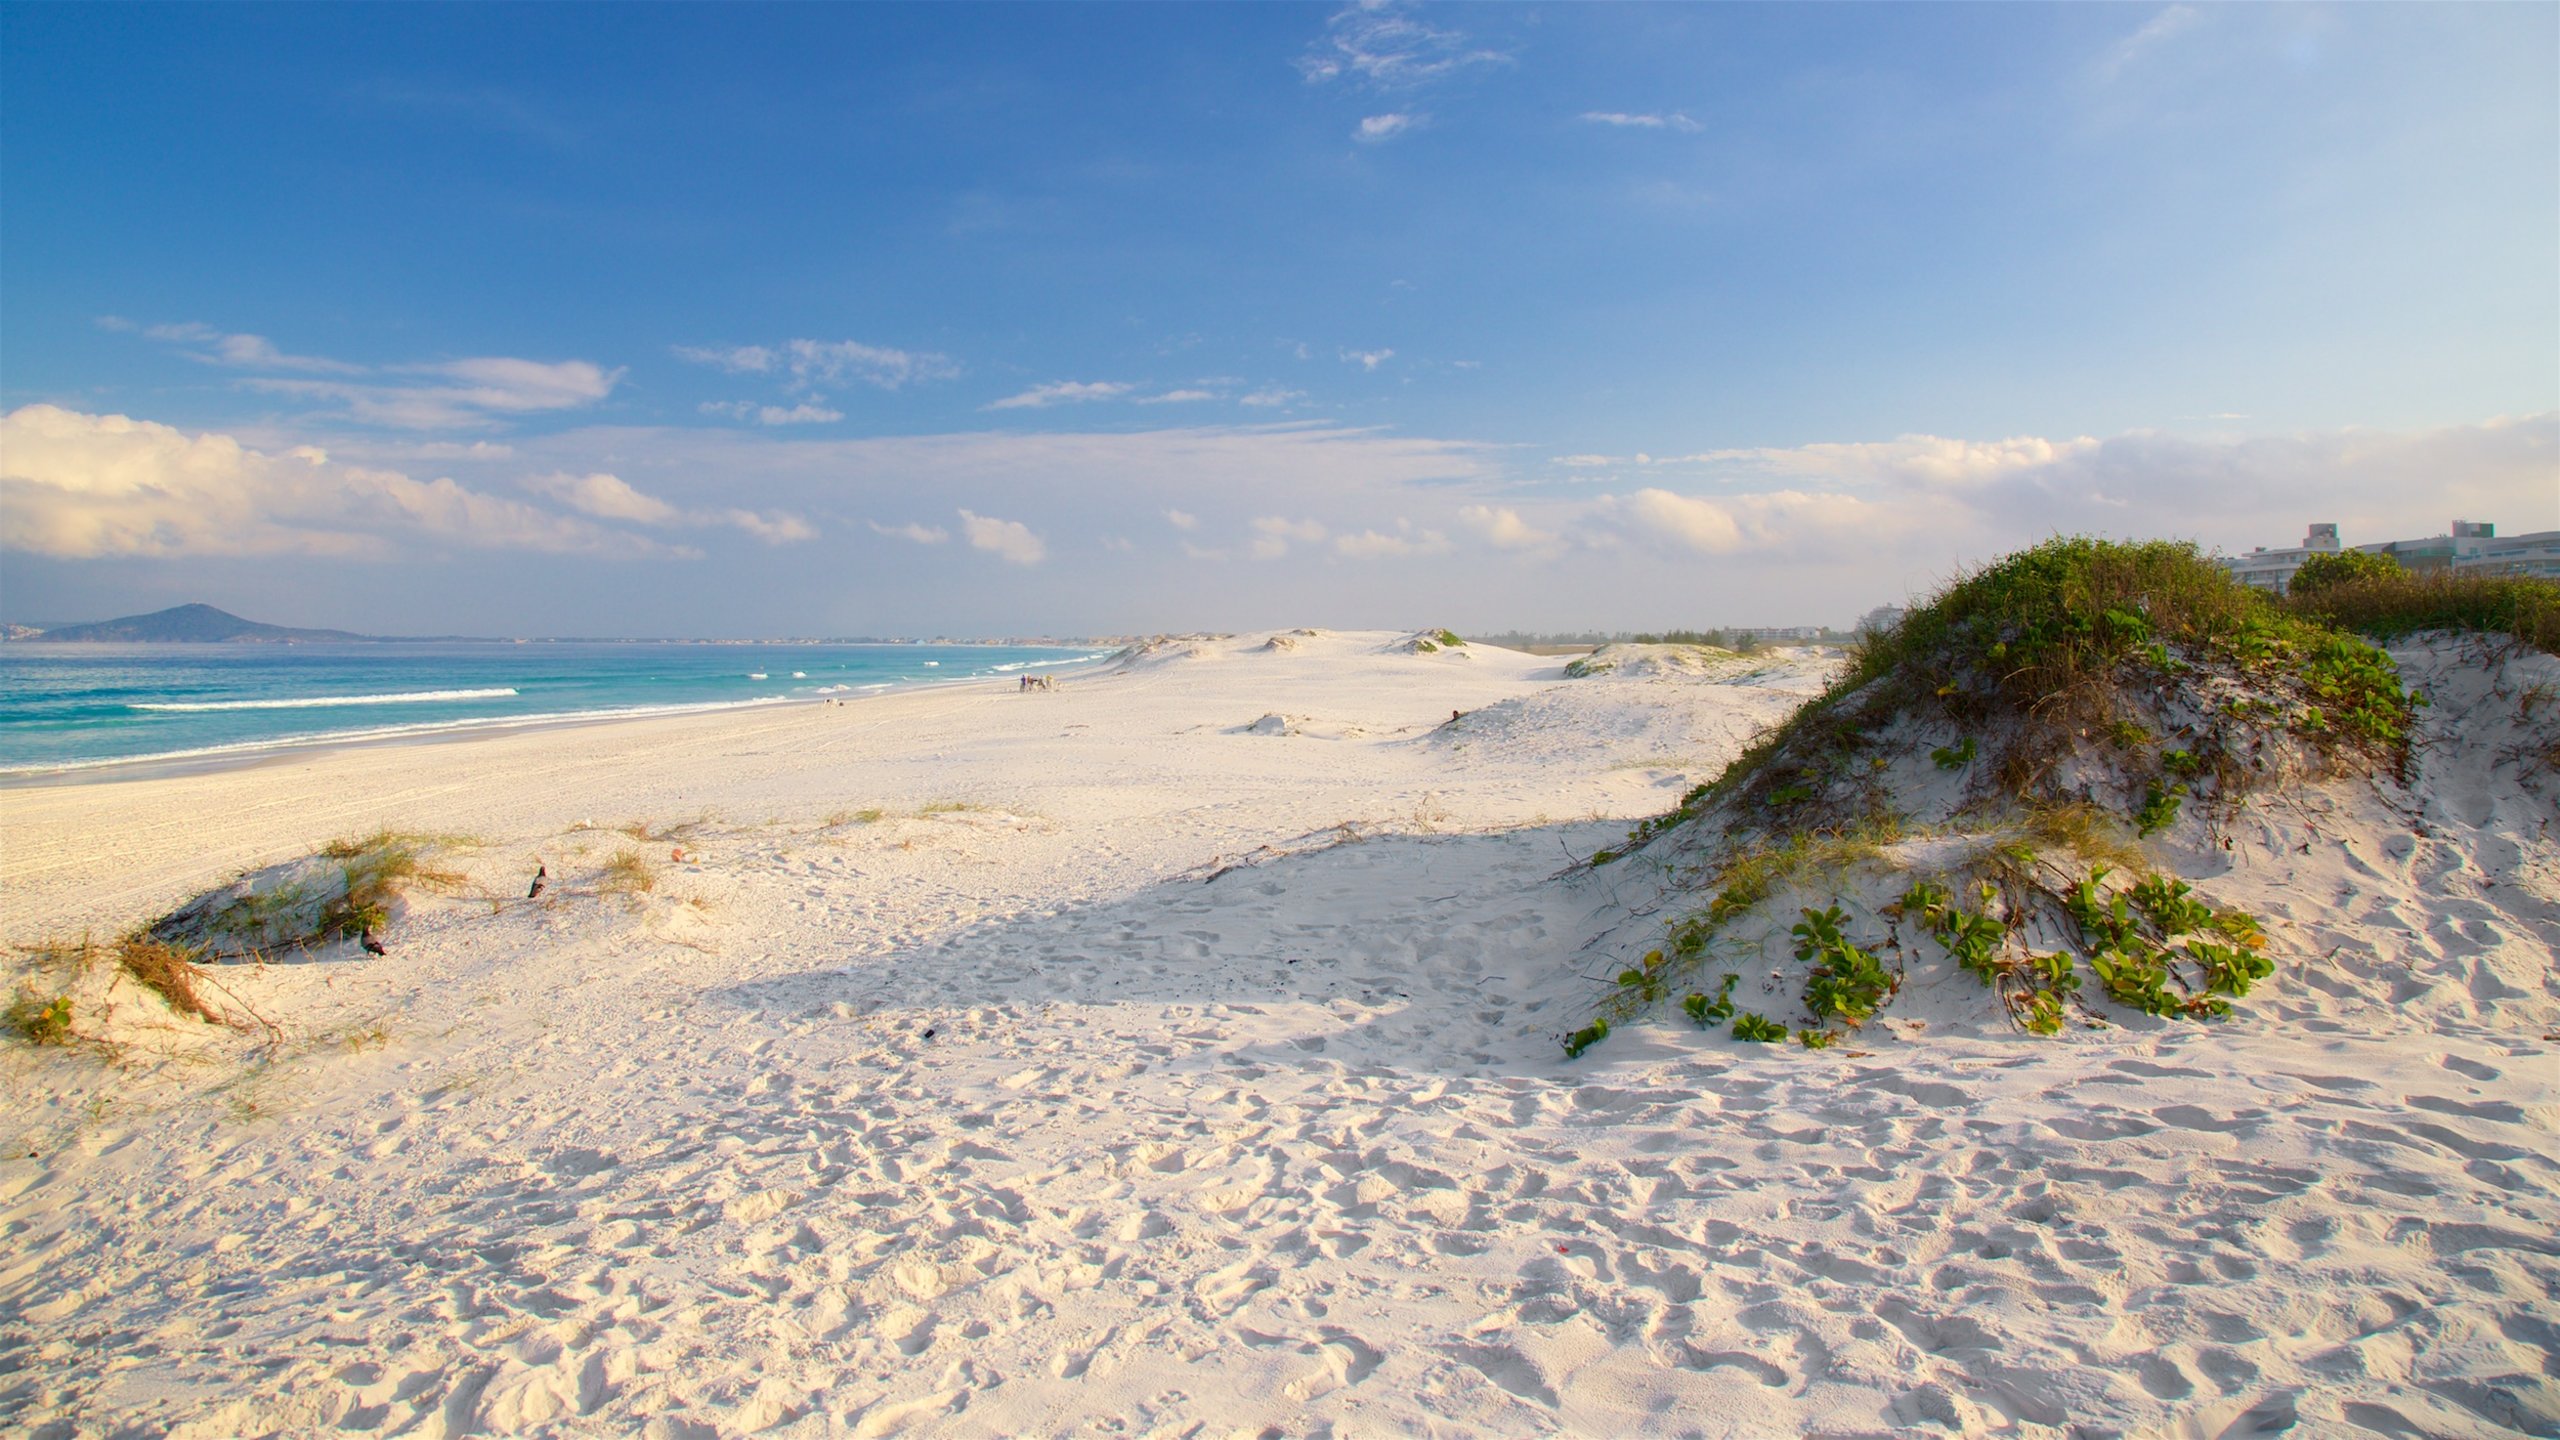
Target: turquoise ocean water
77, 707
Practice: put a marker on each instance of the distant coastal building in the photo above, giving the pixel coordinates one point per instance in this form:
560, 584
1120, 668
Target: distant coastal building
1880, 619
2473, 545
2273, 569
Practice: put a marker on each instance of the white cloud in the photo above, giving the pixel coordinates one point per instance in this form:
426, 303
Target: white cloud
1948, 498
79, 486
460, 394
1502, 527
1376, 128
832, 362
1182, 519
1063, 392
1272, 396
500, 383
1380, 44
607, 497
771, 527
1922, 459
475, 392
610, 497
921, 534
1674, 121
812, 363
1272, 534
736, 359
1375, 545
252, 351
456, 450
804, 413
2156, 31
1584, 462
1780, 521
1177, 397
1700, 524
1368, 359
1010, 539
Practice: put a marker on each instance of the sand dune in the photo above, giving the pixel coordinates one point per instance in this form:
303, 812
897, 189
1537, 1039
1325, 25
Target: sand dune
1138, 1069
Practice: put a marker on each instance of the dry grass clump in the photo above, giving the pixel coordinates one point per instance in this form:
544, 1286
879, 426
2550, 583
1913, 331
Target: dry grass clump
628, 873
168, 971
68, 980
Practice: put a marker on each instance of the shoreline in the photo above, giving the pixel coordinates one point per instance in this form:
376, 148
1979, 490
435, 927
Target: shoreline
255, 753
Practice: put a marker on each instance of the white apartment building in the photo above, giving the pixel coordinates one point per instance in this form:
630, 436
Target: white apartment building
2273, 569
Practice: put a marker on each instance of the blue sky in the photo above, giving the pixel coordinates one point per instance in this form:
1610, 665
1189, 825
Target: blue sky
741, 320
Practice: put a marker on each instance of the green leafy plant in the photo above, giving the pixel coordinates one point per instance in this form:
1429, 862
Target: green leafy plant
1954, 757
1646, 979
1847, 983
2137, 973
1584, 1038
39, 1021
1706, 1012
1760, 1028
1815, 1039
2169, 904
2159, 808
2229, 969
2038, 1006
2128, 933
2035, 988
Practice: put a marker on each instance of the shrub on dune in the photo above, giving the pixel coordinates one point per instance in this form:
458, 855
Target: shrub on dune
2389, 604
2046, 711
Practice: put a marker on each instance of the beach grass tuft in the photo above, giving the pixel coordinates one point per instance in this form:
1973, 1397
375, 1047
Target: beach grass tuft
379, 869
628, 873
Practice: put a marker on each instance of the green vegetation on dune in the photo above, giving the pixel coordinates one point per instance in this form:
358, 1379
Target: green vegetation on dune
2047, 710
2027, 660
2322, 571
2388, 604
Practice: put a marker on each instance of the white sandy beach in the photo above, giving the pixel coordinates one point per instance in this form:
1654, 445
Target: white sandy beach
1176, 1054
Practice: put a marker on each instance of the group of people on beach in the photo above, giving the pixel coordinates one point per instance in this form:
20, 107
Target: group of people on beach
1039, 682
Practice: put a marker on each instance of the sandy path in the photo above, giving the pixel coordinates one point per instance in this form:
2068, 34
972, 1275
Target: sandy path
1009, 1121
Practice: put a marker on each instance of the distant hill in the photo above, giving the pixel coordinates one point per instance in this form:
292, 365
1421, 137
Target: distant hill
186, 625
